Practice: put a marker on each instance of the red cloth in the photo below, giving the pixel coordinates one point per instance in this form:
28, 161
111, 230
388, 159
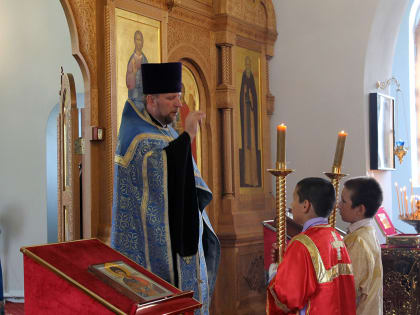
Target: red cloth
48, 293
312, 275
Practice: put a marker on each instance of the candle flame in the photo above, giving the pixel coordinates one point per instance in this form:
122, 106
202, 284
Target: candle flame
281, 127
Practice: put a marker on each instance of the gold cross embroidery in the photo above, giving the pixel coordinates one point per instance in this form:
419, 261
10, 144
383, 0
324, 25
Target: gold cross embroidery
187, 259
337, 245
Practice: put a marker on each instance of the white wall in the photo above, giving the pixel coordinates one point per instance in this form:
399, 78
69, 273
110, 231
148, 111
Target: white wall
34, 43
328, 56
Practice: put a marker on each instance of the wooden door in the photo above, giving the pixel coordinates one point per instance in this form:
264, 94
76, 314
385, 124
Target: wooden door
69, 162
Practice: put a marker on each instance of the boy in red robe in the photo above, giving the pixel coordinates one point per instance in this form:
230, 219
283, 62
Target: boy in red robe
315, 275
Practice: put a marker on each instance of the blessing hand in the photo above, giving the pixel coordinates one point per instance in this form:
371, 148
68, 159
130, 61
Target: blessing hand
192, 121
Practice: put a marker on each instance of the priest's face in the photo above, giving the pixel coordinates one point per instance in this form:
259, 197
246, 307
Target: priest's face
164, 107
347, 211
298, 208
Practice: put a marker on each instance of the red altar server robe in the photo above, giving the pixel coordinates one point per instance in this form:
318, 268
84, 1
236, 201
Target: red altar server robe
315, 273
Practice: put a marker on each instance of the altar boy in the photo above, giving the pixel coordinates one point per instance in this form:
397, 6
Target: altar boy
360, 199
315, 275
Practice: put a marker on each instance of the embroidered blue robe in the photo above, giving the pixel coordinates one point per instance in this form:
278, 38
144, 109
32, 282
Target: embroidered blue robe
141, 210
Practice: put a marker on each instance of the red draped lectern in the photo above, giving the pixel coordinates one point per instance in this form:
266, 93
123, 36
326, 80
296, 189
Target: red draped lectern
57, 281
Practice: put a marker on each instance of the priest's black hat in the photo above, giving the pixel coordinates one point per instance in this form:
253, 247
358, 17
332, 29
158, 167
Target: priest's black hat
161, 77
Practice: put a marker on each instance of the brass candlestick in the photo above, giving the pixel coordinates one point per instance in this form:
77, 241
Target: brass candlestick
280, 172
335, 177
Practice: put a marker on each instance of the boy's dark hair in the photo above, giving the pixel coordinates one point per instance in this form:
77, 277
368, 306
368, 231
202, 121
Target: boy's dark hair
365, 191
319, 192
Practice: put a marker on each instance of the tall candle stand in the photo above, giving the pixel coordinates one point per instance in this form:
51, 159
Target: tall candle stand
335, 177
280, 172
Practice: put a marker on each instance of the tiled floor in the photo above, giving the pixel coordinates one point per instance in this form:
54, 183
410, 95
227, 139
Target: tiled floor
14, 308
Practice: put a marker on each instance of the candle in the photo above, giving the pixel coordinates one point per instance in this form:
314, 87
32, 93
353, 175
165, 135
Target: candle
417, 204
405, 201
339, 150
402, 201
412, 205
398, 198
411, 195
281, 146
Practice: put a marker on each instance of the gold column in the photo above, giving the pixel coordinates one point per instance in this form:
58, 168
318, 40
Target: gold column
335, 177
280, 172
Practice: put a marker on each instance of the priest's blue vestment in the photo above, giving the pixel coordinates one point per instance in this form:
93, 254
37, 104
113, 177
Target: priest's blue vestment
159, 218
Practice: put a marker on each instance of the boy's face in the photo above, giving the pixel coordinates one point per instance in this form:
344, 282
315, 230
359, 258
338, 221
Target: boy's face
348, 213
298, 208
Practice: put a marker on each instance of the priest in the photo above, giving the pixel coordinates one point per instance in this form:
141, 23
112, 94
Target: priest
159, 218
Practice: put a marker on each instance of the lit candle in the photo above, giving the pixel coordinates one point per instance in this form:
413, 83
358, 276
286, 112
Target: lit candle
402, 201
281, 146
417, 204
339, 151
411, 195
405, 201
398, 198
412, 205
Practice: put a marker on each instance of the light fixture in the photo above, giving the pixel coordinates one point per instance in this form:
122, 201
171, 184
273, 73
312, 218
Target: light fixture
400, 150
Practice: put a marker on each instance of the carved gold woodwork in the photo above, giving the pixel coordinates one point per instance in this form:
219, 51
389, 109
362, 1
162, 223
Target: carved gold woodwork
202, 34
227, 152
68, 162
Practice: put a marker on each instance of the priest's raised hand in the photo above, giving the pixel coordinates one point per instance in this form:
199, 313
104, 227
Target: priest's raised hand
192, 121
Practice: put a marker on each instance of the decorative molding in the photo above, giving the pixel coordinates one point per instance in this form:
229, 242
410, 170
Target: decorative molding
225, 64
193, 17
172, 3
68, 163
248, 43
227, 152
225, 96
181, 32
244, 29
154, 3
269, 96
60, 215
270, 103
248, 10
259, 13
84, 12
225, 38
109, 143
